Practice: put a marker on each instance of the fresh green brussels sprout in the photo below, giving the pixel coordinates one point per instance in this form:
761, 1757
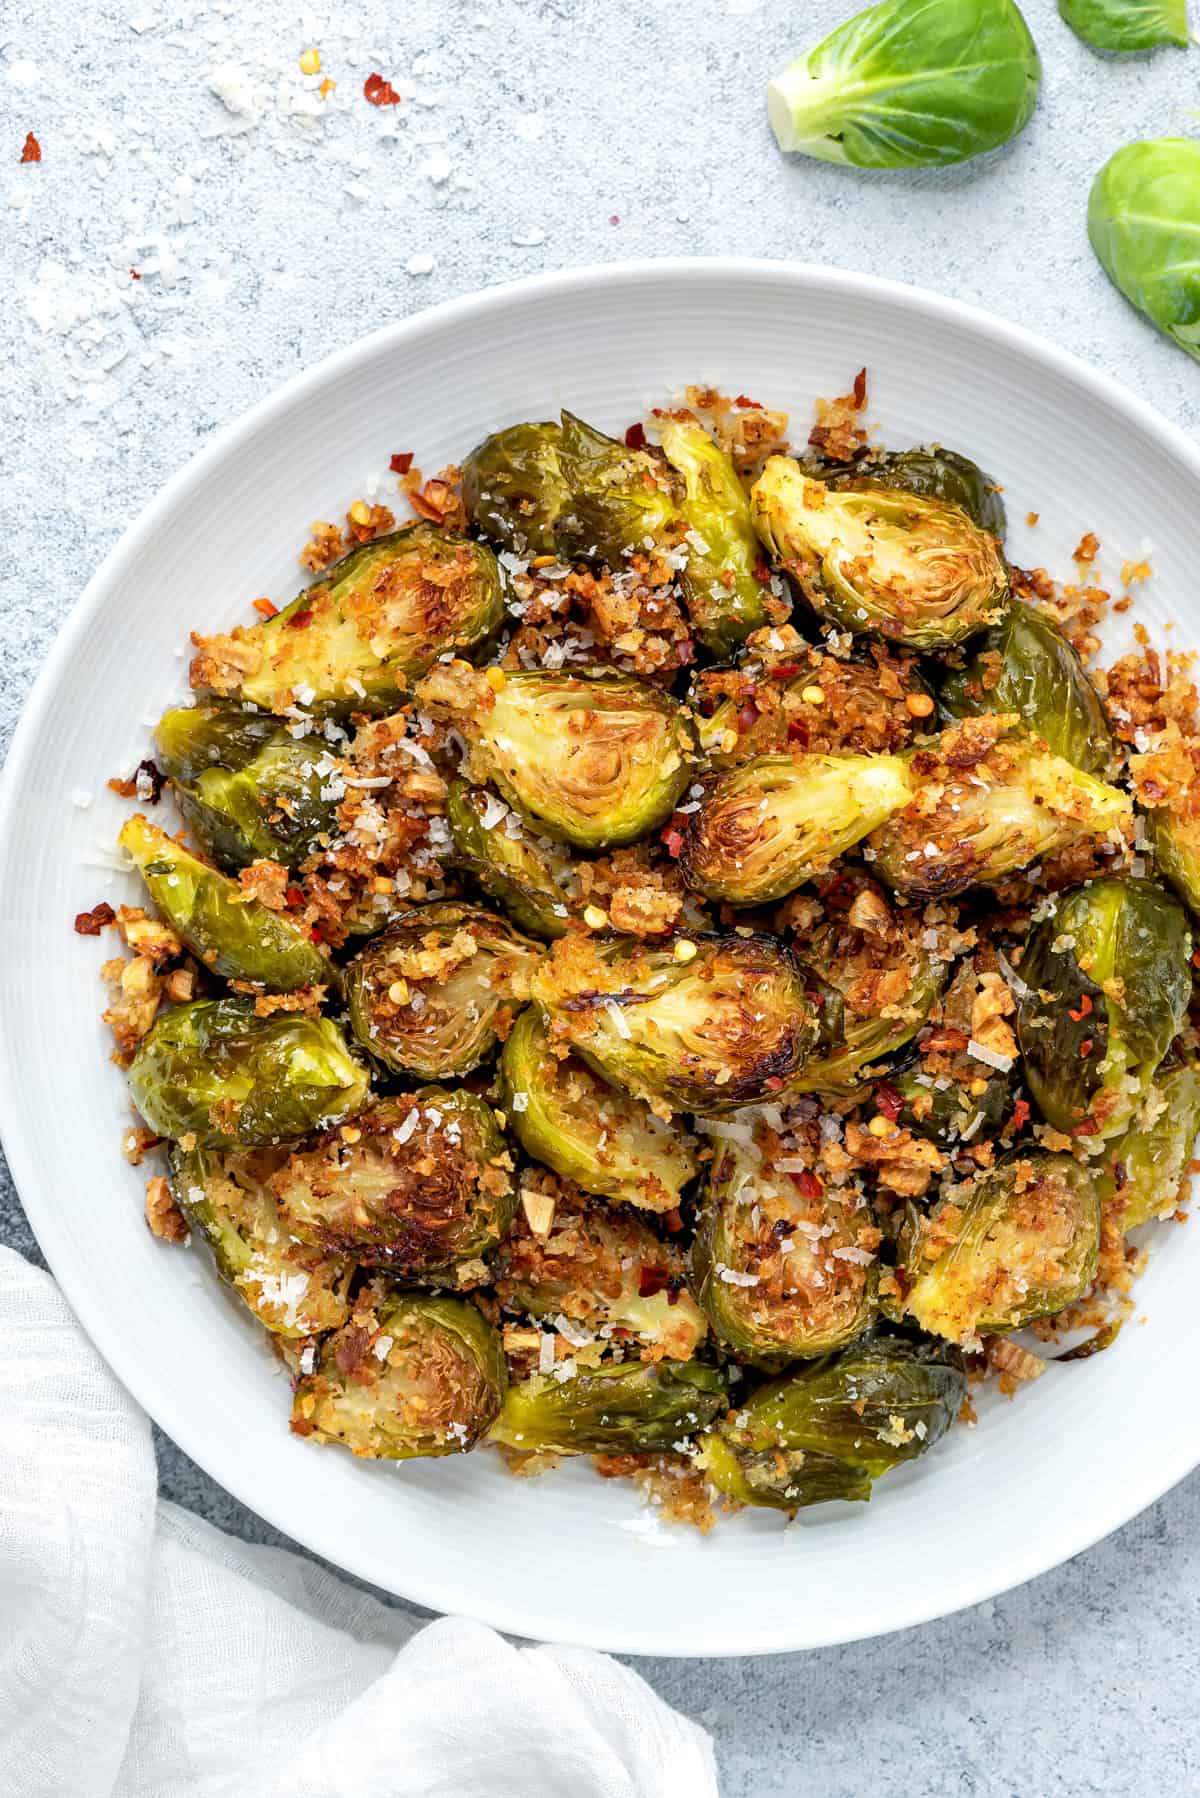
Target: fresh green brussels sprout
702, 1032
1176, 840
1146, 1167
1125, 26
623, 500
912, 569
379, 618
986, 805
779, 820
935, 473
603, 1139
1025, 666
514, 488
1020, 1242
725, 598
532, 881
232, 933
902, 86
630, 1407
292, 1288
421, 1185
594, 758
953, 1113
216, 1071
830, 1430
1143, 220
1107, 978
410, 1374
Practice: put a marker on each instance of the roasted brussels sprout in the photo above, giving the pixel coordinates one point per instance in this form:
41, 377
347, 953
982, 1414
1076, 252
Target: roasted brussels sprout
1176, 840
514, 488
630, 1407
702, 1032
915, 570
725, 598
1147, 1166
227, 929
830, 1430
409, 1375
431, 995
951, 1113
603, 1139
623, 500
533, 881
291, 1287
935, 473
379, 618
422, 1186
1107, 979
1026, 667
594, 759
1019, 1242
216, 1071
779, 820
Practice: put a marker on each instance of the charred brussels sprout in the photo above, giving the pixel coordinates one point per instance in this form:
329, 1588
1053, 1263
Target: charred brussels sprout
1026, 667
913, 569
1176, 840
622, 500
829, 1431
292, 1288
630, 1407
215, 1070
379, 618
603, 1139
952, 1113
1107, 981
423, 1188
409, 1375
533, 881
936, 473
514, 488
432, 993
1147, 1166
779, 820
229, 931
702, 1032
725, 598
1020, 1242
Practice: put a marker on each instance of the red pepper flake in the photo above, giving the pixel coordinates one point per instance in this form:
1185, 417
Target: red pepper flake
762, 573
635, 437
860, 389
748, 715
673, 1221
1086, 1047
380, 92
1196, 959
135, 274
672, 842
315, 934
298, 619
807, 1185
798, 731
888, 1102
295, 897
1089, 1127
31, 150
652, 1280
747, 404
401, 462
774, 1083
1020, 1114
785, 670
91, 923
1085, 1009
946, 1041
266, 608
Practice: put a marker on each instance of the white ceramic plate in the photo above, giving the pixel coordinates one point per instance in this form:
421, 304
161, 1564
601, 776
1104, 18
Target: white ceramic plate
568, 1557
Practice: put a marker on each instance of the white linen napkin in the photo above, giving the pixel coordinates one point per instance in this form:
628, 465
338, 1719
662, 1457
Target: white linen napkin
145, 1654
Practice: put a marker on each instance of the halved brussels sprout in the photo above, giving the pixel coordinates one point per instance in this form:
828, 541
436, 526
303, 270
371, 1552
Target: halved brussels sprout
829, 1431
216, 1071
422, 1186
603, 1139
623, 500
379, 618
779, 820
776, 1262
986, 806
232, 933
409, 1375
913, 569
594, 758
533, 882
1147, 1166
514, 489
1021, 1241
702, 1032
433, 993
292, 1288
1026, 667
1107, 981
1176, 840
935, 473
725, 598
630, 1407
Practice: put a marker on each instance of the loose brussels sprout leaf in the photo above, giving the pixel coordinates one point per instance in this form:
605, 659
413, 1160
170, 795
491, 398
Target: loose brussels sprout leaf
514, 489
1147, 1166
1107, 979
777, 1263
829, 1431
986, 805
630, 1407
292, 1288
1127, 25
910, 86
595, 759
779, 820
1025, 667
1176, 840
379, 618
530, 880
622, 500
423, 1186
950, 1114
603, 1139
705, 1032
1143, 221
725, 598
409, 1375
215, 1070
229, 931
1020, 1242
935, 473
912, 569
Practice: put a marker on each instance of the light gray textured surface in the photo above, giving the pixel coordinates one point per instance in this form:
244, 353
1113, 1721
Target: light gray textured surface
535, 134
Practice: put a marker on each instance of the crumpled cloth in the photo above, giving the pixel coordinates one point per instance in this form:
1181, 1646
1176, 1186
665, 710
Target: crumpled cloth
143, 1652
